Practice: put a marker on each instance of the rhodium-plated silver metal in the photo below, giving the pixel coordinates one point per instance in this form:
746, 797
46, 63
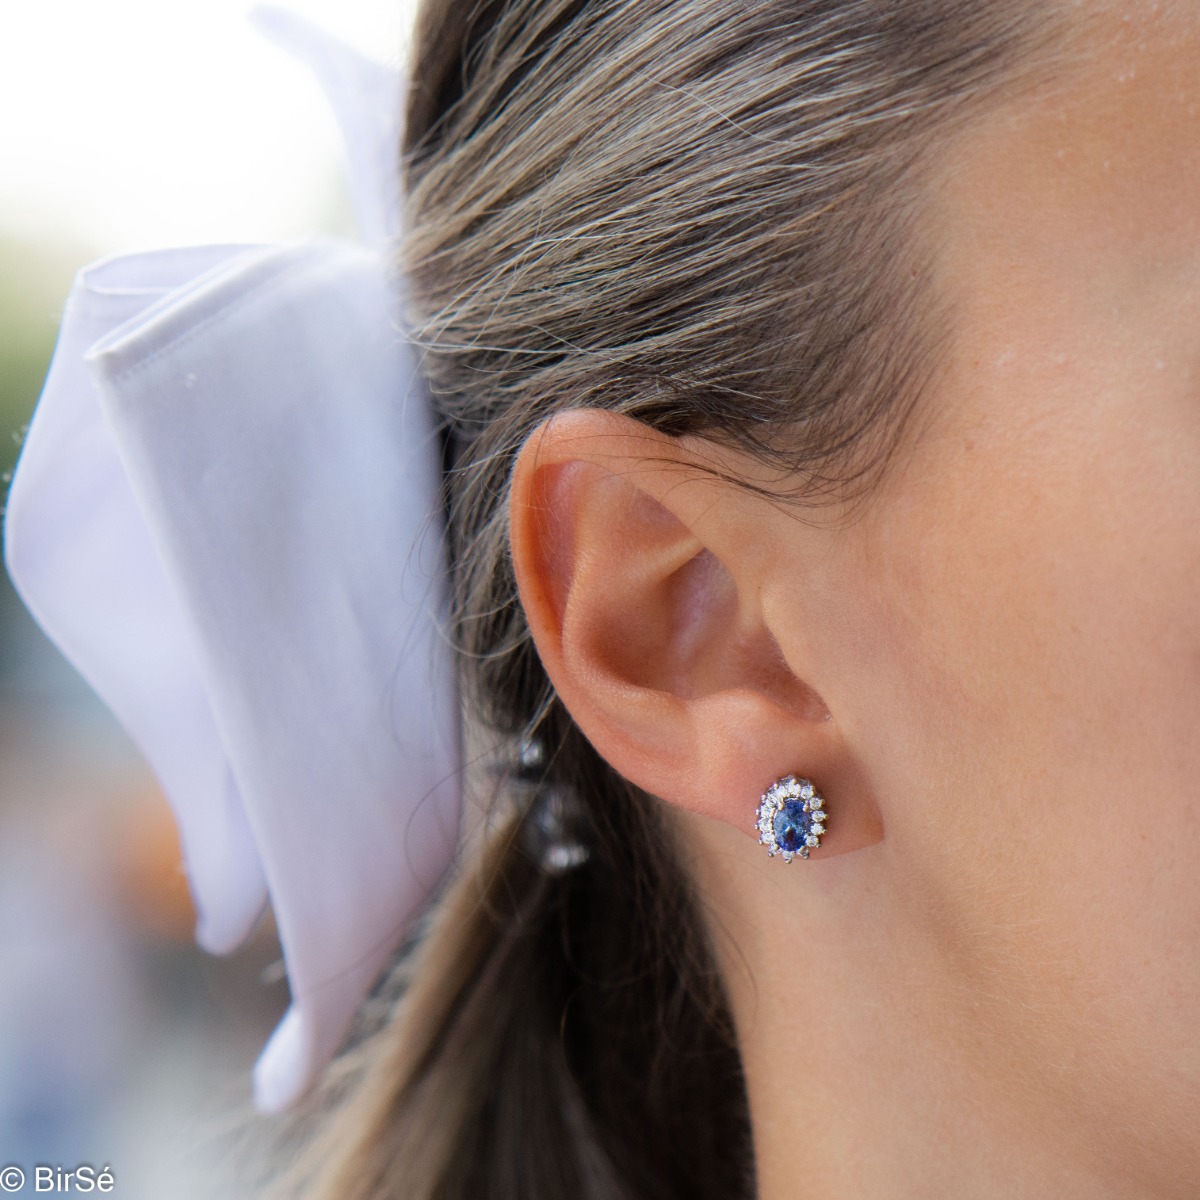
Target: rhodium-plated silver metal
790, 818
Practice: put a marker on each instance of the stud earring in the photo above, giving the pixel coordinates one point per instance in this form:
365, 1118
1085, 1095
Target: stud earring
790, 818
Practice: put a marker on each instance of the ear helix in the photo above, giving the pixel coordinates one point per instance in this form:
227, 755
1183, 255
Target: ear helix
790, 818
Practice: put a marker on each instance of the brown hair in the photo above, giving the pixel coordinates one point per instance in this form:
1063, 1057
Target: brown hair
704, 214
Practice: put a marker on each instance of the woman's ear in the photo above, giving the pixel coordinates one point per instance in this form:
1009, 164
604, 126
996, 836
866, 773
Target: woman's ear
642, 570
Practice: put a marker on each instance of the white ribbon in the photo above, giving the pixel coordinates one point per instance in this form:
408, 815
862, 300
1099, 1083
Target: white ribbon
227, 516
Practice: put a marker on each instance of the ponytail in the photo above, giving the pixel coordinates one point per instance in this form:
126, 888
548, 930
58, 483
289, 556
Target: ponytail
557, 1030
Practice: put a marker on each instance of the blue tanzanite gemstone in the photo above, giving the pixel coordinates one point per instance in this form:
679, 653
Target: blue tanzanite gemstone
792, 826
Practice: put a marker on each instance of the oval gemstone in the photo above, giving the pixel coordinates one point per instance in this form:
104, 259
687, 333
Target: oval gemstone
792, 825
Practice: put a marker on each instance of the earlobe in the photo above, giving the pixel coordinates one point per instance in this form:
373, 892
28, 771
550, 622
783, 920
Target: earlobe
640, 574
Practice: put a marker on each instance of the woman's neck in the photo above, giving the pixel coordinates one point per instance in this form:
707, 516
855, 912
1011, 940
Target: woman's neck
878, 1068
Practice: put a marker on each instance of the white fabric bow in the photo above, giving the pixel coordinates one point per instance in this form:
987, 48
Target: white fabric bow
227, 515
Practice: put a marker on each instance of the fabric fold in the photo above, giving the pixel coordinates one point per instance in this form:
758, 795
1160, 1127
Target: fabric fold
81, 556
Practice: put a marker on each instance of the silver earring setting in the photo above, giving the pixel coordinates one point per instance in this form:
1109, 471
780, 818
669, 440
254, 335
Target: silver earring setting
790, 818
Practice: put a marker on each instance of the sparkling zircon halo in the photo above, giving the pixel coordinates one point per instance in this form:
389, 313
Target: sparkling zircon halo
790, 818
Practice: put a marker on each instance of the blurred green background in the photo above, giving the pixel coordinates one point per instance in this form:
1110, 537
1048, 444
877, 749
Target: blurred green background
33, 284
34, 281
